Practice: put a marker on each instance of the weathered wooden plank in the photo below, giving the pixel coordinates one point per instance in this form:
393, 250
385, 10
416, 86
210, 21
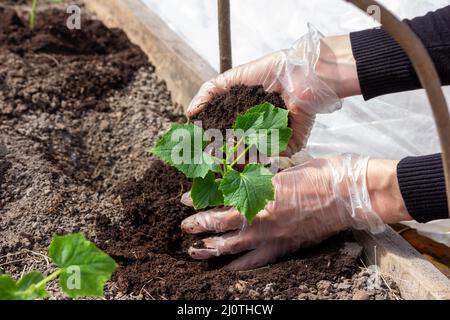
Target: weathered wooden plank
416, 277
183, 69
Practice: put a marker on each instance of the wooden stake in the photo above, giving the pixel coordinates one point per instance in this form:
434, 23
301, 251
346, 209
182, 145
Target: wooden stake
223, 7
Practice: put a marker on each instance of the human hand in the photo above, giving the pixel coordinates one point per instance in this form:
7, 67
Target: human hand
293, 74
314, 200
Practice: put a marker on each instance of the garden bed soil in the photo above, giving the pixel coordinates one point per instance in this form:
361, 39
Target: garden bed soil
78, 113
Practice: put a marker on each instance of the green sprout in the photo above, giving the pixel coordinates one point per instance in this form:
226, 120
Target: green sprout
33, 13
83, 270
217, 181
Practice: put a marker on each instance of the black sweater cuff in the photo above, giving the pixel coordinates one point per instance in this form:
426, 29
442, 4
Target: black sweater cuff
422, 185
383, 66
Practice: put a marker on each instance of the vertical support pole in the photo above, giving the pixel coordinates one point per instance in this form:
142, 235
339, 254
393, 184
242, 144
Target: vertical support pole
223, 7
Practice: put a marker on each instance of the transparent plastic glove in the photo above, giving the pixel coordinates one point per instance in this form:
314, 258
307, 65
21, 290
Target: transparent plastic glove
290, 72
313, 201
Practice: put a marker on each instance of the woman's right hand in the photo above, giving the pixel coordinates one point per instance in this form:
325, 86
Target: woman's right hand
294, 74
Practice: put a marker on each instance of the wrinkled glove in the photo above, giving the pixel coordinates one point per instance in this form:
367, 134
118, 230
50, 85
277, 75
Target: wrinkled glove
290, 72
313, 201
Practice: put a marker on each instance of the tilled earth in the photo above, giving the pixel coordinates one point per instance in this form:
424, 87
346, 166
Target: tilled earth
78, 112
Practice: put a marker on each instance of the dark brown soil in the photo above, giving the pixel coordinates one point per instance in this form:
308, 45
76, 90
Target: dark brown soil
154, 208
78, 112
74, 69
152, 256
223, 109
4, 167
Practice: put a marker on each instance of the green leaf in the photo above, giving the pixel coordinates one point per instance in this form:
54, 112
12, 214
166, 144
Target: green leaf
248, 191
24, 289
28, 283
205, 192
8, 288
228, 150
266, 127
84, 267
183, 148
271, 142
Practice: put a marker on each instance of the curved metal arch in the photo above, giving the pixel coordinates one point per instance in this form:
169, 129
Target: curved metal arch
426, 72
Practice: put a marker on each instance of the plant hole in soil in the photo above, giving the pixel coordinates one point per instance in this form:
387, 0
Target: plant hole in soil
77, 133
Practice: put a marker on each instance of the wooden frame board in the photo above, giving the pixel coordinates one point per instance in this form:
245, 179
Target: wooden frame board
176, 62
416, 277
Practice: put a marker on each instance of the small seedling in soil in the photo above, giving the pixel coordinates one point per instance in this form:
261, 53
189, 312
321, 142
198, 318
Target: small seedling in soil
218, 181
33, 13
82, 271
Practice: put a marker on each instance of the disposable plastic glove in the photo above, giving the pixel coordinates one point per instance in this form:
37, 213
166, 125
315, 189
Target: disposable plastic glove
290, 72
313, 201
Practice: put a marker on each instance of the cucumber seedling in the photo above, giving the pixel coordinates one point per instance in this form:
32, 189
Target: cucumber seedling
83, 270
33, 13
217, 181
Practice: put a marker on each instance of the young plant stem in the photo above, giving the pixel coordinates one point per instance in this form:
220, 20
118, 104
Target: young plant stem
235, 149
33, 14
240, 156
225, 169
44, 281
49, 278
228, 157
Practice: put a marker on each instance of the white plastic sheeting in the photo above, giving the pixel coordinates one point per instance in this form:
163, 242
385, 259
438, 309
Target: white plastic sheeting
391, 127
438, 230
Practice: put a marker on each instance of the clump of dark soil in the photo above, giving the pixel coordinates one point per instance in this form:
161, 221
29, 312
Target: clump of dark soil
78, 112
154, 208
55, 67
9, 21
223, 108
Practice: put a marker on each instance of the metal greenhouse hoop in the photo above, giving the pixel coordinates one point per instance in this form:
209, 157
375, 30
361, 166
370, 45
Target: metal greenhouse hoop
406, 38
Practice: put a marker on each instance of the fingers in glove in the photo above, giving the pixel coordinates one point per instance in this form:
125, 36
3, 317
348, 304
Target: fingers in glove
221, 84
260, 257
302, 124
206, 92
215, 220
248, 74
187, 200
230, 243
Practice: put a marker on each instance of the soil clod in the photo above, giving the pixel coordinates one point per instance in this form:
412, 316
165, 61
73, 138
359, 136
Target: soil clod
223, 109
